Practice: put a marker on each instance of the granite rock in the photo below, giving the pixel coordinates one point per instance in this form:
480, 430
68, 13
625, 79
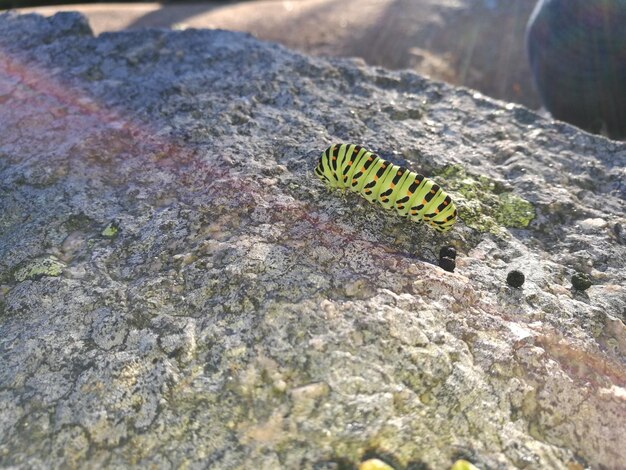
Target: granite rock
178, 289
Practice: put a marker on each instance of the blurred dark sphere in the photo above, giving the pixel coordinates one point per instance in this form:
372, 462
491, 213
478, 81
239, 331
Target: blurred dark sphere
447, 251
447, 264
581, 281
577, 51
515, 278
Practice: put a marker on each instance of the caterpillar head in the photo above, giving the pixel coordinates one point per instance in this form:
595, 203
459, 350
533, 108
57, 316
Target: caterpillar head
319, 171
329, 181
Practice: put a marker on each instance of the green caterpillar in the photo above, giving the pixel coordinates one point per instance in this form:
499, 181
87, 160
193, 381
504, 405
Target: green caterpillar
349, 166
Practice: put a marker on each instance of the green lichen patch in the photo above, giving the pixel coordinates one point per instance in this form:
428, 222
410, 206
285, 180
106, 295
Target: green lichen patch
484, 204
513, 211
111, 231
38, 268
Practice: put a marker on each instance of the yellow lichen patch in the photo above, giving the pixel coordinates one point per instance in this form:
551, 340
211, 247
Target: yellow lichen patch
38, 268
374, 464
463, 465
129, 374
110, 231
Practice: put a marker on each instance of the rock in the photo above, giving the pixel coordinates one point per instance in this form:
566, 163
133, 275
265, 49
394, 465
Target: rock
590, 225
240, 316
577, 57
485, 52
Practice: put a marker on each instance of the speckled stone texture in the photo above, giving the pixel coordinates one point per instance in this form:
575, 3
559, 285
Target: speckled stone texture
178, 289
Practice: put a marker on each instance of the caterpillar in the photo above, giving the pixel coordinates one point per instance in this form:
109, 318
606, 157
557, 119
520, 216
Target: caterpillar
349, 166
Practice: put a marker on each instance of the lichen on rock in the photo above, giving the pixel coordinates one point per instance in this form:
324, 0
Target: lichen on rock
111, 230
513, 211
484, 204
38, 268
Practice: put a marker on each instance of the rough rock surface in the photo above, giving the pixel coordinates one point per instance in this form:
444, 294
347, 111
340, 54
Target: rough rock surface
474, 43
177, 288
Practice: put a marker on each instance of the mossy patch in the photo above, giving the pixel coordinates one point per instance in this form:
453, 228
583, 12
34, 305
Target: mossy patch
513, 211
38, 268
484, 204
111, 231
